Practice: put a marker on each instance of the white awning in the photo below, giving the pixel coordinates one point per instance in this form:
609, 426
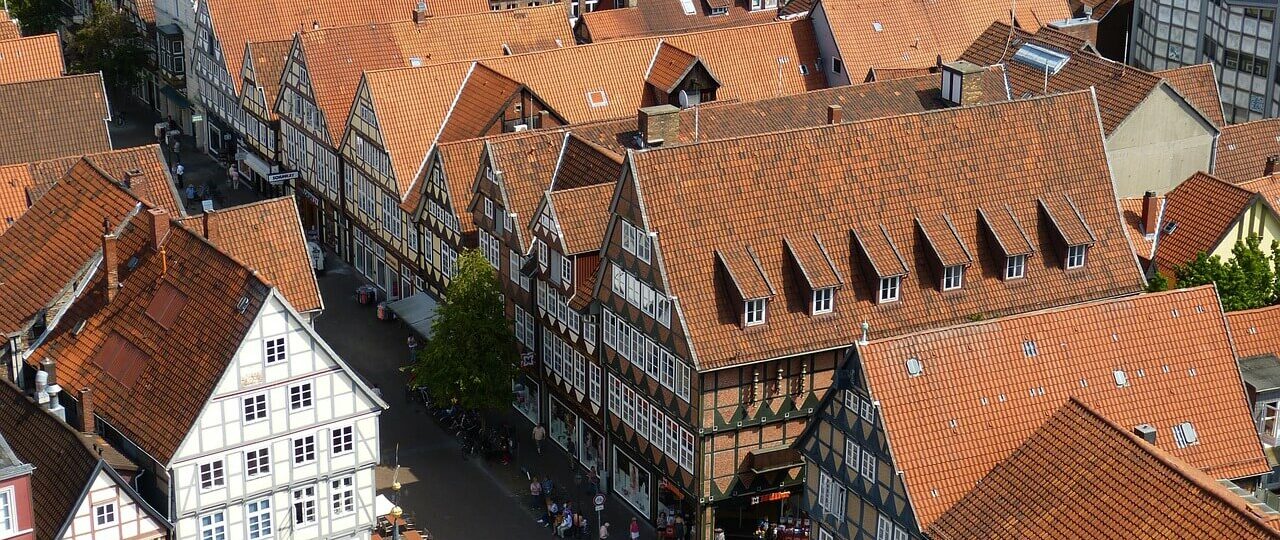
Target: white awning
417, 311
256, 163
382, 505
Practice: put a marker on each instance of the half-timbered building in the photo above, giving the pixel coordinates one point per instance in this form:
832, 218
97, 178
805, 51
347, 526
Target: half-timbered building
257, 157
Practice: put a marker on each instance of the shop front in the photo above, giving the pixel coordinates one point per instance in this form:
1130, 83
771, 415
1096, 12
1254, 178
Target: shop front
525, 397
632, 483
590, 447
767, 494
562, 425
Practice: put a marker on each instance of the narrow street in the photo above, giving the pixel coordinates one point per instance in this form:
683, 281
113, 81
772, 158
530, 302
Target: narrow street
453, 497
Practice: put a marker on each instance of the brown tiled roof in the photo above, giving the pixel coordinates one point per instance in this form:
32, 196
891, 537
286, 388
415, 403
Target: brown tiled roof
1103, 8
1120, 89
1081, 475
266, 236
8, 28
461, 163
1199, 86
48, 246
15, 186
336, 57
888, 74
181, 362
1159, 359
479, 102
528, 163
1255, 332
669, 66
585, 163
919, 174
268, 59
813, 260
447, 8
895, 34
52, 118
237, 22
31, 59
66, 461
1243, 149
661, 17
1131, 211
1199, 211
146, 10
583, 214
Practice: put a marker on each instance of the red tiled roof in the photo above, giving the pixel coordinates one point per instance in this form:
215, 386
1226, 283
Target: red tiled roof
1200, 211
460, 161
269, 58
1131, 212
31, 59
267, 237
45, 249
669, 66
1158, 359
52, 118
780, 178
661, 17
184, 361
1120, 88
583, 214
1243, 149
896, 34
449, 8
9, 29
1081, 475
528, 163
1255, 332
1199, 85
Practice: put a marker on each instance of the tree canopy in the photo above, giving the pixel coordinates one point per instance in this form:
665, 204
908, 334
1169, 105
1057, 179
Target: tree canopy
1248, 280
36, 17
471, 353
109, 42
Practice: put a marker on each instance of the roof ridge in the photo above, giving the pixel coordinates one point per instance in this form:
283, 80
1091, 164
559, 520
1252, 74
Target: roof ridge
97, 74
578, 189
626, 40
614, 156
1253, 311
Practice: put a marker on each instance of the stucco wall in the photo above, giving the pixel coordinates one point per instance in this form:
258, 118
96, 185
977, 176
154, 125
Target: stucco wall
1259, 220
1160, 144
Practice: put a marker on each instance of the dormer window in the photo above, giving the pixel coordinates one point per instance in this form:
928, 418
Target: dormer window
890, 289
755, 311
1015, 267
823, 300
1075, 256
952, 278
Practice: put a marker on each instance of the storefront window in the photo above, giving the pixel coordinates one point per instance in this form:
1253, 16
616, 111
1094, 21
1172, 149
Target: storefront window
525, 397
591, 447
563, 426
631, 482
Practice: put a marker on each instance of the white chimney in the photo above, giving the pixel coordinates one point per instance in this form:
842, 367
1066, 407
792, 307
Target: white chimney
866, 329
52, 392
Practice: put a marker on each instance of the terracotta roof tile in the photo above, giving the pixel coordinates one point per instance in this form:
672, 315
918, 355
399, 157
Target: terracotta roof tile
1131, 211
888, 74
1255, 332
527, 162
51, 118
45, 249
944, 241
1103, 8
877, 249
1243, 149
478, 103
813, 260
15, 183
184, 361
1065, 217
742, 266
662, 17
1199, 85
1120, 89
896, 34
1081, 475
792, 8
146, 10
31, 59
669, 66
1196, 216
268, 59
335, 57
9, 29
1158, 359
585, 163
266, 236
682, 188
449, 8
237, 22
1002, 223
583, 214
461, 162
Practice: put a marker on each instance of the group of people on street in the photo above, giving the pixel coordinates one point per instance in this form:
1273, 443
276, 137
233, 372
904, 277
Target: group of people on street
561, 518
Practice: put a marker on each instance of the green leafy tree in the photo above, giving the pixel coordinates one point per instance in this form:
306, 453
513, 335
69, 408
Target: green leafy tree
1157, 283
109, 42
1246, 281
471, 354
36, 17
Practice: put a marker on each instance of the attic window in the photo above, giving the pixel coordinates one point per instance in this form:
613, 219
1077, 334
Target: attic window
914, 367
755, 310
1184, 435
1029, 349
952, 278
1015, 267
823, 300
597, 98
890, 289
1041, 58
877, 26
1075, 256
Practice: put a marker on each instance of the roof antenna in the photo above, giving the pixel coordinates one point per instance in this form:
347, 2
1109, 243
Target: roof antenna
696, 118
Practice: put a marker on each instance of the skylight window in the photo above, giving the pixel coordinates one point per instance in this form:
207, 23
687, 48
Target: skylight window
597, 98
877, 26
1185, 435
915, 368
1041, 58
1029, 348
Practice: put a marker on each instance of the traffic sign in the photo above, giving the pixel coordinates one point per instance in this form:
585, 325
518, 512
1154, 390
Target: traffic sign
599, 503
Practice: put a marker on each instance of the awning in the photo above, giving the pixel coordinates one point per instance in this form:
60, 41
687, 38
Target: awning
256, 163
417, 311
382, 505
176, 97
778, 458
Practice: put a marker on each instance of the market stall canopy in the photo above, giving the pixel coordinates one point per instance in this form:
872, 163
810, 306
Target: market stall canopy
417, 311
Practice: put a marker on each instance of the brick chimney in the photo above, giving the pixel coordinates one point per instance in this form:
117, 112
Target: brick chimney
159, 222
1150, 213
1084, 28
835, 114
86, 410
207, 225
659, 123
420, 12
962, 83
1270, 168
111, 262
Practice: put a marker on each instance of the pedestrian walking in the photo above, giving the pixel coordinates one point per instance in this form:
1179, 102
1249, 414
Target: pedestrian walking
180, 170
177, 147
719, 534
604, 531
535, 490
635, 529
191, 193
539, 433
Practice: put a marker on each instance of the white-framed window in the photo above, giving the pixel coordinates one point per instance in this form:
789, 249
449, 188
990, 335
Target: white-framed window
868, 411
8, 514
255, 407
343, 440
304, 450
851, 400
884, 528
890, 289
343, 492
258, 518
852, 455
952, 278
1269, 421
595, 383
1075, 256
212, 475
869, 466
1015, 267
824, 535
686, 450
488, 208
1185, 435
104, 515
831, 495
300, 397
822, 300
755, 310
275, 350
213, 526
257, 462
304, 506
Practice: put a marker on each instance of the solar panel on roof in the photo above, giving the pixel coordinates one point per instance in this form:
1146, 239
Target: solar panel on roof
1041, 58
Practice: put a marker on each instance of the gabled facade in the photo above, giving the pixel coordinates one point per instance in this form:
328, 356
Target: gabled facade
257, 158
1238, 211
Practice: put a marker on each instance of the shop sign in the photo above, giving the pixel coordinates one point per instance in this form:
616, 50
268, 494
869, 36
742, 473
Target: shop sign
197, 118
280, 178
771, 497
309, 195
